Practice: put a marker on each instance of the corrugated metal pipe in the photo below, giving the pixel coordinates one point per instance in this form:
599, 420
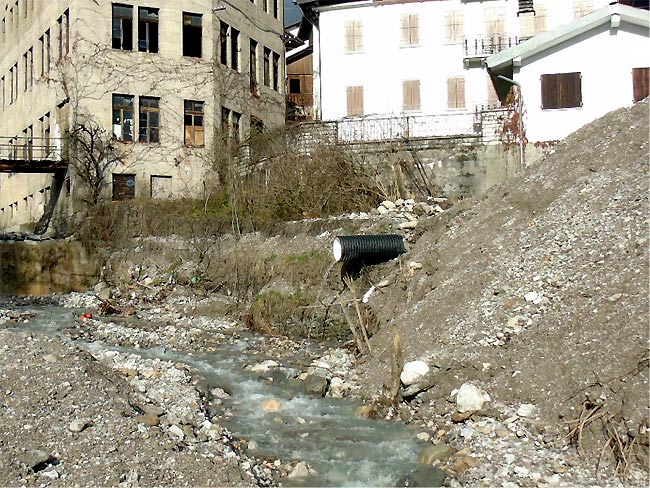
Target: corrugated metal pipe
368, 249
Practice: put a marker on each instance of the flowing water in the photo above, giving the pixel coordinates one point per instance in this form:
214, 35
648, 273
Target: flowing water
344, 450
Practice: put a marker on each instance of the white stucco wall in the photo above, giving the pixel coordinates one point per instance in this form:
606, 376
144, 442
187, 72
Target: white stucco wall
384, 65
605, 58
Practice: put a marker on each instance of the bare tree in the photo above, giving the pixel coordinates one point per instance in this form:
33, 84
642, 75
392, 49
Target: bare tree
93, 153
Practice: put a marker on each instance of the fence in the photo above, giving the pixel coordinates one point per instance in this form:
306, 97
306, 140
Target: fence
30, 149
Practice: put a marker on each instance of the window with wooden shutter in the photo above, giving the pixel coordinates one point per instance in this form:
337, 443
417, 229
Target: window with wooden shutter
495, 21
411, 95
640, 83
355, 100
582, 8
353, 36
410, 30
561, 90
456, 92
454, 26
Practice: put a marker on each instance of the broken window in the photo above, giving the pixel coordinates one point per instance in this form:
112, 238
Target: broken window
410, 30
561, 90
253, 67
454, 26
223, 43
148, 29
25, 70
122, 27
123, 117
66, 31
353, 36
123, 187
230, 125
194, 134
354, 100
294, 85
410, 95
192, 33
640, 83
267, 67
276, 71
48, 50
161, 186
149, 119
234, 49
30, 55
456, 92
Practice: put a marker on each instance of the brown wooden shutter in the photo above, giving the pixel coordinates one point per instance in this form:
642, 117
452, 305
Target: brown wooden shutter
414, 30
405, 30
562, 90
456, 92
495, 21
353, 36
540, 19
640, 83
355, 100
454, 30
411, 95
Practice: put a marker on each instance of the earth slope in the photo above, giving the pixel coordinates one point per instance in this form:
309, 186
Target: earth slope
538, 293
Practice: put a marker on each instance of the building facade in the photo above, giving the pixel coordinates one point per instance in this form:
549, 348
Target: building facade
171, 86
421, 60
580, 71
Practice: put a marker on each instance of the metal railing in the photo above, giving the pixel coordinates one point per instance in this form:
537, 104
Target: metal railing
486, 46
372, 129
30, 149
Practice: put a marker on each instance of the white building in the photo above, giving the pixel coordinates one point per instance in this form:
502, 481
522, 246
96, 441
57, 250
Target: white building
579, 71
376, 59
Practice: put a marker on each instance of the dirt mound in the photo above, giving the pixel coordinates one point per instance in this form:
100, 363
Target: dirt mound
538, 292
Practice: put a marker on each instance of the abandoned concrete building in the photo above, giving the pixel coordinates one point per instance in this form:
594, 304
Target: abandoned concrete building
165, 86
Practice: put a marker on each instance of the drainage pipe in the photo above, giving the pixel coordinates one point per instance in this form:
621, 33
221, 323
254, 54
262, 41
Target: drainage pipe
367, 250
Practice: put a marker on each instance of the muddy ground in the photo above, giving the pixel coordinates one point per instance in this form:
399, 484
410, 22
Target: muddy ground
534, 298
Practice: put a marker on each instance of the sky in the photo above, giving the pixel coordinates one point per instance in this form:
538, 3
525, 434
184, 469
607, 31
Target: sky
292, 13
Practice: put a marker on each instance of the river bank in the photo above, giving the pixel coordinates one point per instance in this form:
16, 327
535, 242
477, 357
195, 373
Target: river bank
521, 318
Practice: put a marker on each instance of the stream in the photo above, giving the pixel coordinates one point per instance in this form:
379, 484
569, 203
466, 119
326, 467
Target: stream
343, 449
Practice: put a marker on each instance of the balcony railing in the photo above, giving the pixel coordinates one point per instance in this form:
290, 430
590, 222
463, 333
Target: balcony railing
486, 46
372, 129
30, 148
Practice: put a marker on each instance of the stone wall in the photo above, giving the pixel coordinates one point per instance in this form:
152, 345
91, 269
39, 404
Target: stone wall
43, 267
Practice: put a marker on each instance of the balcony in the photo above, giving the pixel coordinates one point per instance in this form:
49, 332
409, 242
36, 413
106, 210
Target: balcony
479, 48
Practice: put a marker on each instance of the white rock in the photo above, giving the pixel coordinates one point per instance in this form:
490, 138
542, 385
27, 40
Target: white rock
424, 436
264, 366
470, 398
388, 205
525, 410
177, 432
411, 224
413, 371
531, 296
78, 425
301, 470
